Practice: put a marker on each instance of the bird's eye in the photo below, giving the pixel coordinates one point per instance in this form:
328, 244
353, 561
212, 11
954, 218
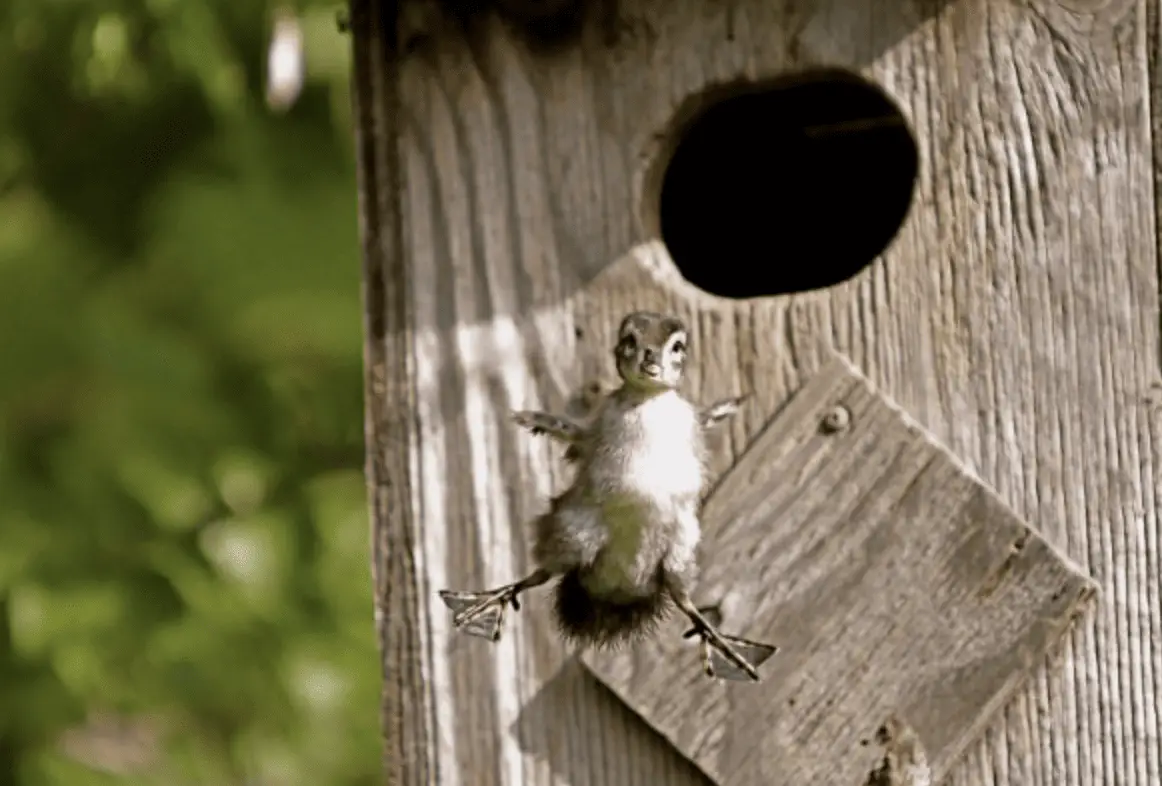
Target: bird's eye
680, 347
628, 343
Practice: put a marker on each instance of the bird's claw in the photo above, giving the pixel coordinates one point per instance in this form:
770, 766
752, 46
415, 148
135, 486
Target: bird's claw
730, 657
528, 420
481, 613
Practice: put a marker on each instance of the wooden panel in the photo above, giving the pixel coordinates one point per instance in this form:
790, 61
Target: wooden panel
896, 584
1016, 316
410, 754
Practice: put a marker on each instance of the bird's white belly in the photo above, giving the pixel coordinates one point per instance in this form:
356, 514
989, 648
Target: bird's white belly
658, 489
666, 468
658, 479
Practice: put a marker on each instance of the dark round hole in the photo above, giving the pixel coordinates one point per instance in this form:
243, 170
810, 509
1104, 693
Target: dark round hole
793, 187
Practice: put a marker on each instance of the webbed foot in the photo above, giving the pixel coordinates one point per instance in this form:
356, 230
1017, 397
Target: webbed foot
482, 613
728, 657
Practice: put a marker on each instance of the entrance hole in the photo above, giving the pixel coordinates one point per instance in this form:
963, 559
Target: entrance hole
789, 187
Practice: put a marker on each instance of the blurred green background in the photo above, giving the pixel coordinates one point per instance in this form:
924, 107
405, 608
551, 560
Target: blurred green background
184, 586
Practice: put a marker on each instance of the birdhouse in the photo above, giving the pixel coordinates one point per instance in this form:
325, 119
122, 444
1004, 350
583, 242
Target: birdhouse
921, 239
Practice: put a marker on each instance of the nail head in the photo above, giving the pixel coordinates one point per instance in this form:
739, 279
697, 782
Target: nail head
837, 419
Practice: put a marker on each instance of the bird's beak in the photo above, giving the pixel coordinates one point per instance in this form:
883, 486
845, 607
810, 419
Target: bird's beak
651, 369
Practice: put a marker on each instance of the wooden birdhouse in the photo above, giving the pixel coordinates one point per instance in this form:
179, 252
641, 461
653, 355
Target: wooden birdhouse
920, 236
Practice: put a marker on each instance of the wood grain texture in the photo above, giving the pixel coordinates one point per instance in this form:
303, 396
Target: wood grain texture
401, 597
895, 583
1016, 316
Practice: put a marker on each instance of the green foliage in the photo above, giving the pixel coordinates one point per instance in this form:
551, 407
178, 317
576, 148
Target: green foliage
184, 585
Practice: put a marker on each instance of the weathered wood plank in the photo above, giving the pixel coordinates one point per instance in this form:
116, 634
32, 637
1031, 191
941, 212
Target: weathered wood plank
401, 592
895, 582
1026, 350
1016, 316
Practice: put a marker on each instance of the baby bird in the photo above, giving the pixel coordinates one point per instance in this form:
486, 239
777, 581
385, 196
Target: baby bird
621, 540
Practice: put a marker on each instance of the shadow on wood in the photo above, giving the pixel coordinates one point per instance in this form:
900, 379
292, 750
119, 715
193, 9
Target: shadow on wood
546, 730
523, 172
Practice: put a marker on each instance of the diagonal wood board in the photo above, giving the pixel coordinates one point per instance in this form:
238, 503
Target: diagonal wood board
895, 583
